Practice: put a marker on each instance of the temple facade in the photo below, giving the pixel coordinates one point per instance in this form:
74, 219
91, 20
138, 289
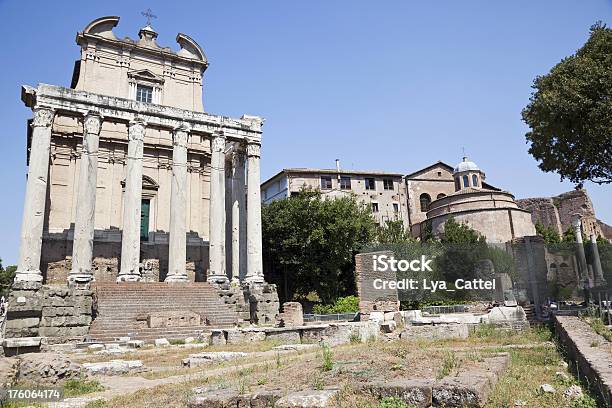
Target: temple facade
129, 179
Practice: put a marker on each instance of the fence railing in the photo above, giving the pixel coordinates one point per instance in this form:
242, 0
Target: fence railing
336, 317
447, 309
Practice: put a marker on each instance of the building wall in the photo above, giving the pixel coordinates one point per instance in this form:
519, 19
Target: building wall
62, 200
293, 182
438, 180
497, 225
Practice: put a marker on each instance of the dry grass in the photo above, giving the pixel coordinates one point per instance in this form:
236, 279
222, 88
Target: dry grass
352, 364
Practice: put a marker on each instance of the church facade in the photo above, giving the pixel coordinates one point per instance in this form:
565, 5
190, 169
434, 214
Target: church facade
129, 179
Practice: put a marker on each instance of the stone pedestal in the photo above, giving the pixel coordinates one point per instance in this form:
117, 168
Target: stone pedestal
177, 252
264, 303
132, 201
28, 266
254, 253
82, 247
216, 238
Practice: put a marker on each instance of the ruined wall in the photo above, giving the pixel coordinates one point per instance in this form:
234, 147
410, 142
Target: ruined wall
370, 298
556, 212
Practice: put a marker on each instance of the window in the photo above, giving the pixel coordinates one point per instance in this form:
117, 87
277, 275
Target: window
345, 183
439, 174
374, 207
370, 184
395, 207
326, 183
466, 181
388, 184
425, 200
441, 195
474, 180
457, 184
144, 219
144, 93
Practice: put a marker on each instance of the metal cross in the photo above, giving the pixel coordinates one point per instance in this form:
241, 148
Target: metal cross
148, 13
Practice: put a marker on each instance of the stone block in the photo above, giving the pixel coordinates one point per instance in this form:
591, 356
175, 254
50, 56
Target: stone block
205, 337
114, 367
25, 285
284, 336
76, 331
66, 321
292, 315
307, 399
217, 337
189, 340
135, 344
237, 336
22, 303
161, 342
415, 393
95, 347
58, 311
197, 359
377, 317
437, 332
21, 342
388, 327
47, 368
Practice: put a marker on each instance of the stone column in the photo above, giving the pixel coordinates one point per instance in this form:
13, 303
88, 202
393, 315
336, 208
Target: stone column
584, 272
132, 201
30, 245
216, 221
254, 255
238, 216
177, 253
597, 269
82, 245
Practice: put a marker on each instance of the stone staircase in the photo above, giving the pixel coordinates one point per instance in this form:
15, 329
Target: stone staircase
122, 309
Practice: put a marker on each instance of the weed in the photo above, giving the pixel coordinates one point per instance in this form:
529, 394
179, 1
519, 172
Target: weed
450, 362
354, 338
80, 386
393, 402
328, 359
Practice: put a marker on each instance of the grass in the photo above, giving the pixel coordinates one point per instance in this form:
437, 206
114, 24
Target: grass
600, 328
81, 386
328, 359
449, 363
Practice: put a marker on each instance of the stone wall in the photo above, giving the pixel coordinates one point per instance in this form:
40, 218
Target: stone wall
57, 257
263, 302
35, 310
371, 299
556, 212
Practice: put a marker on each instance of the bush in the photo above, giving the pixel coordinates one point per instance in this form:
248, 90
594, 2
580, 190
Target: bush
348, 304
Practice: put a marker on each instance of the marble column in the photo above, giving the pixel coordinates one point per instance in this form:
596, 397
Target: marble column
177, 252
30, 244
82, 245
254, 254
581, 257
238, 216
597, 269
216, 221
132, 202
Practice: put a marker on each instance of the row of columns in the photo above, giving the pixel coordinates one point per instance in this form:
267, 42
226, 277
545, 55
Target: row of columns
245, 216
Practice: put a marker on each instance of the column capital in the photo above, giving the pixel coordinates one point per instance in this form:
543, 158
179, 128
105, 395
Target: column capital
180, 135
136, 129
43, 116
253, 149
218, 141
92, 122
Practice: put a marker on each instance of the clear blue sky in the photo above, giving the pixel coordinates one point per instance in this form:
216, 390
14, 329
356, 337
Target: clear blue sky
381, 85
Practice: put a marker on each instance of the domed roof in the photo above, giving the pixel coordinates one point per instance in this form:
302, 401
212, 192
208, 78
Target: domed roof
466, 165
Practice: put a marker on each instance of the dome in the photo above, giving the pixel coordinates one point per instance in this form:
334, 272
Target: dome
466, 165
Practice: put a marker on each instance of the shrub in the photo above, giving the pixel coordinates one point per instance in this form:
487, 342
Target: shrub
348, 304
80, 386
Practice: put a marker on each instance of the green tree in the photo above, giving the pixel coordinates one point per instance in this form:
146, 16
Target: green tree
570, 113
569, 235
463, 248
548, 233
309, 244
392, 232
6, 278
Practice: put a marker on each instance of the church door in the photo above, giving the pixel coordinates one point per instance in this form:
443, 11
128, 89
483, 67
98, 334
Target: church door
144, 219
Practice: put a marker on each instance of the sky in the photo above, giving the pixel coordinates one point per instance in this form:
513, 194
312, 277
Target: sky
381, 85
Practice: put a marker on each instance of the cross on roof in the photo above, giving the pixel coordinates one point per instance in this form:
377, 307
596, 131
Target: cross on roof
148, 13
